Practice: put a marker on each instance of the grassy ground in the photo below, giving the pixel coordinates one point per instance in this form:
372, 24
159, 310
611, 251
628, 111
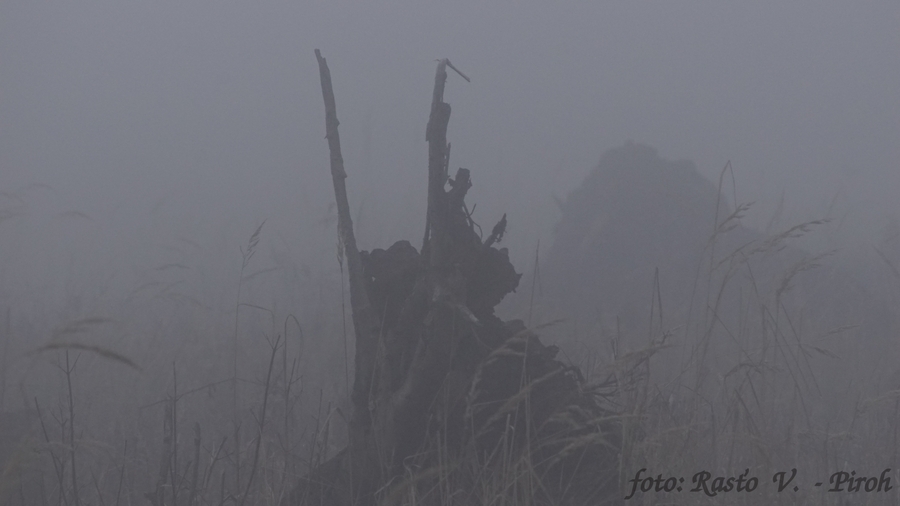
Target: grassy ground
196, 392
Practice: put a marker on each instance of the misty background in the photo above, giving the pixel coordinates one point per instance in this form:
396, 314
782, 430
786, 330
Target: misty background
142, 143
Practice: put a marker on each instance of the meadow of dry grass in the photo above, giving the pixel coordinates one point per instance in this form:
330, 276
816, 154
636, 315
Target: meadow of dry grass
191, 390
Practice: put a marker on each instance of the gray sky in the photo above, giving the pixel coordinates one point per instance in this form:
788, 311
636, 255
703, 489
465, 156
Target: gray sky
204, 118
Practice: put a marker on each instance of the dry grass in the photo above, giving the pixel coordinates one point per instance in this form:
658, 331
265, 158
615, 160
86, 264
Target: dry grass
745, 381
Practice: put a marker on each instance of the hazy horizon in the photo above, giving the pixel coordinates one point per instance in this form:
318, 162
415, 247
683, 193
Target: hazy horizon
212, 112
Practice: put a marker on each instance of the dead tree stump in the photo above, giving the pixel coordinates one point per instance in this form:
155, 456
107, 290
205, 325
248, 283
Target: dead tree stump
446, 395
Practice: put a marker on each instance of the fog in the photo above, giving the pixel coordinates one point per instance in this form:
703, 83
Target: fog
214, 107
144, 142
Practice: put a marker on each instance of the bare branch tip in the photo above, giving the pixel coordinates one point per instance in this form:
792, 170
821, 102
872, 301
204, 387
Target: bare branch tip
457, 71
446, 61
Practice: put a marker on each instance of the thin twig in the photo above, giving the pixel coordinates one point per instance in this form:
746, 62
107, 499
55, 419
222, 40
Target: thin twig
458, 72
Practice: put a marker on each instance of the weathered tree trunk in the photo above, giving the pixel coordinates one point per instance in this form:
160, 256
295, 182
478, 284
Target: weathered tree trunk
436, 372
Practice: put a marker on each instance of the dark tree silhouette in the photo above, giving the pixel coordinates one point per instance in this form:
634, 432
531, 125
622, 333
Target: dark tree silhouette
443, 386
